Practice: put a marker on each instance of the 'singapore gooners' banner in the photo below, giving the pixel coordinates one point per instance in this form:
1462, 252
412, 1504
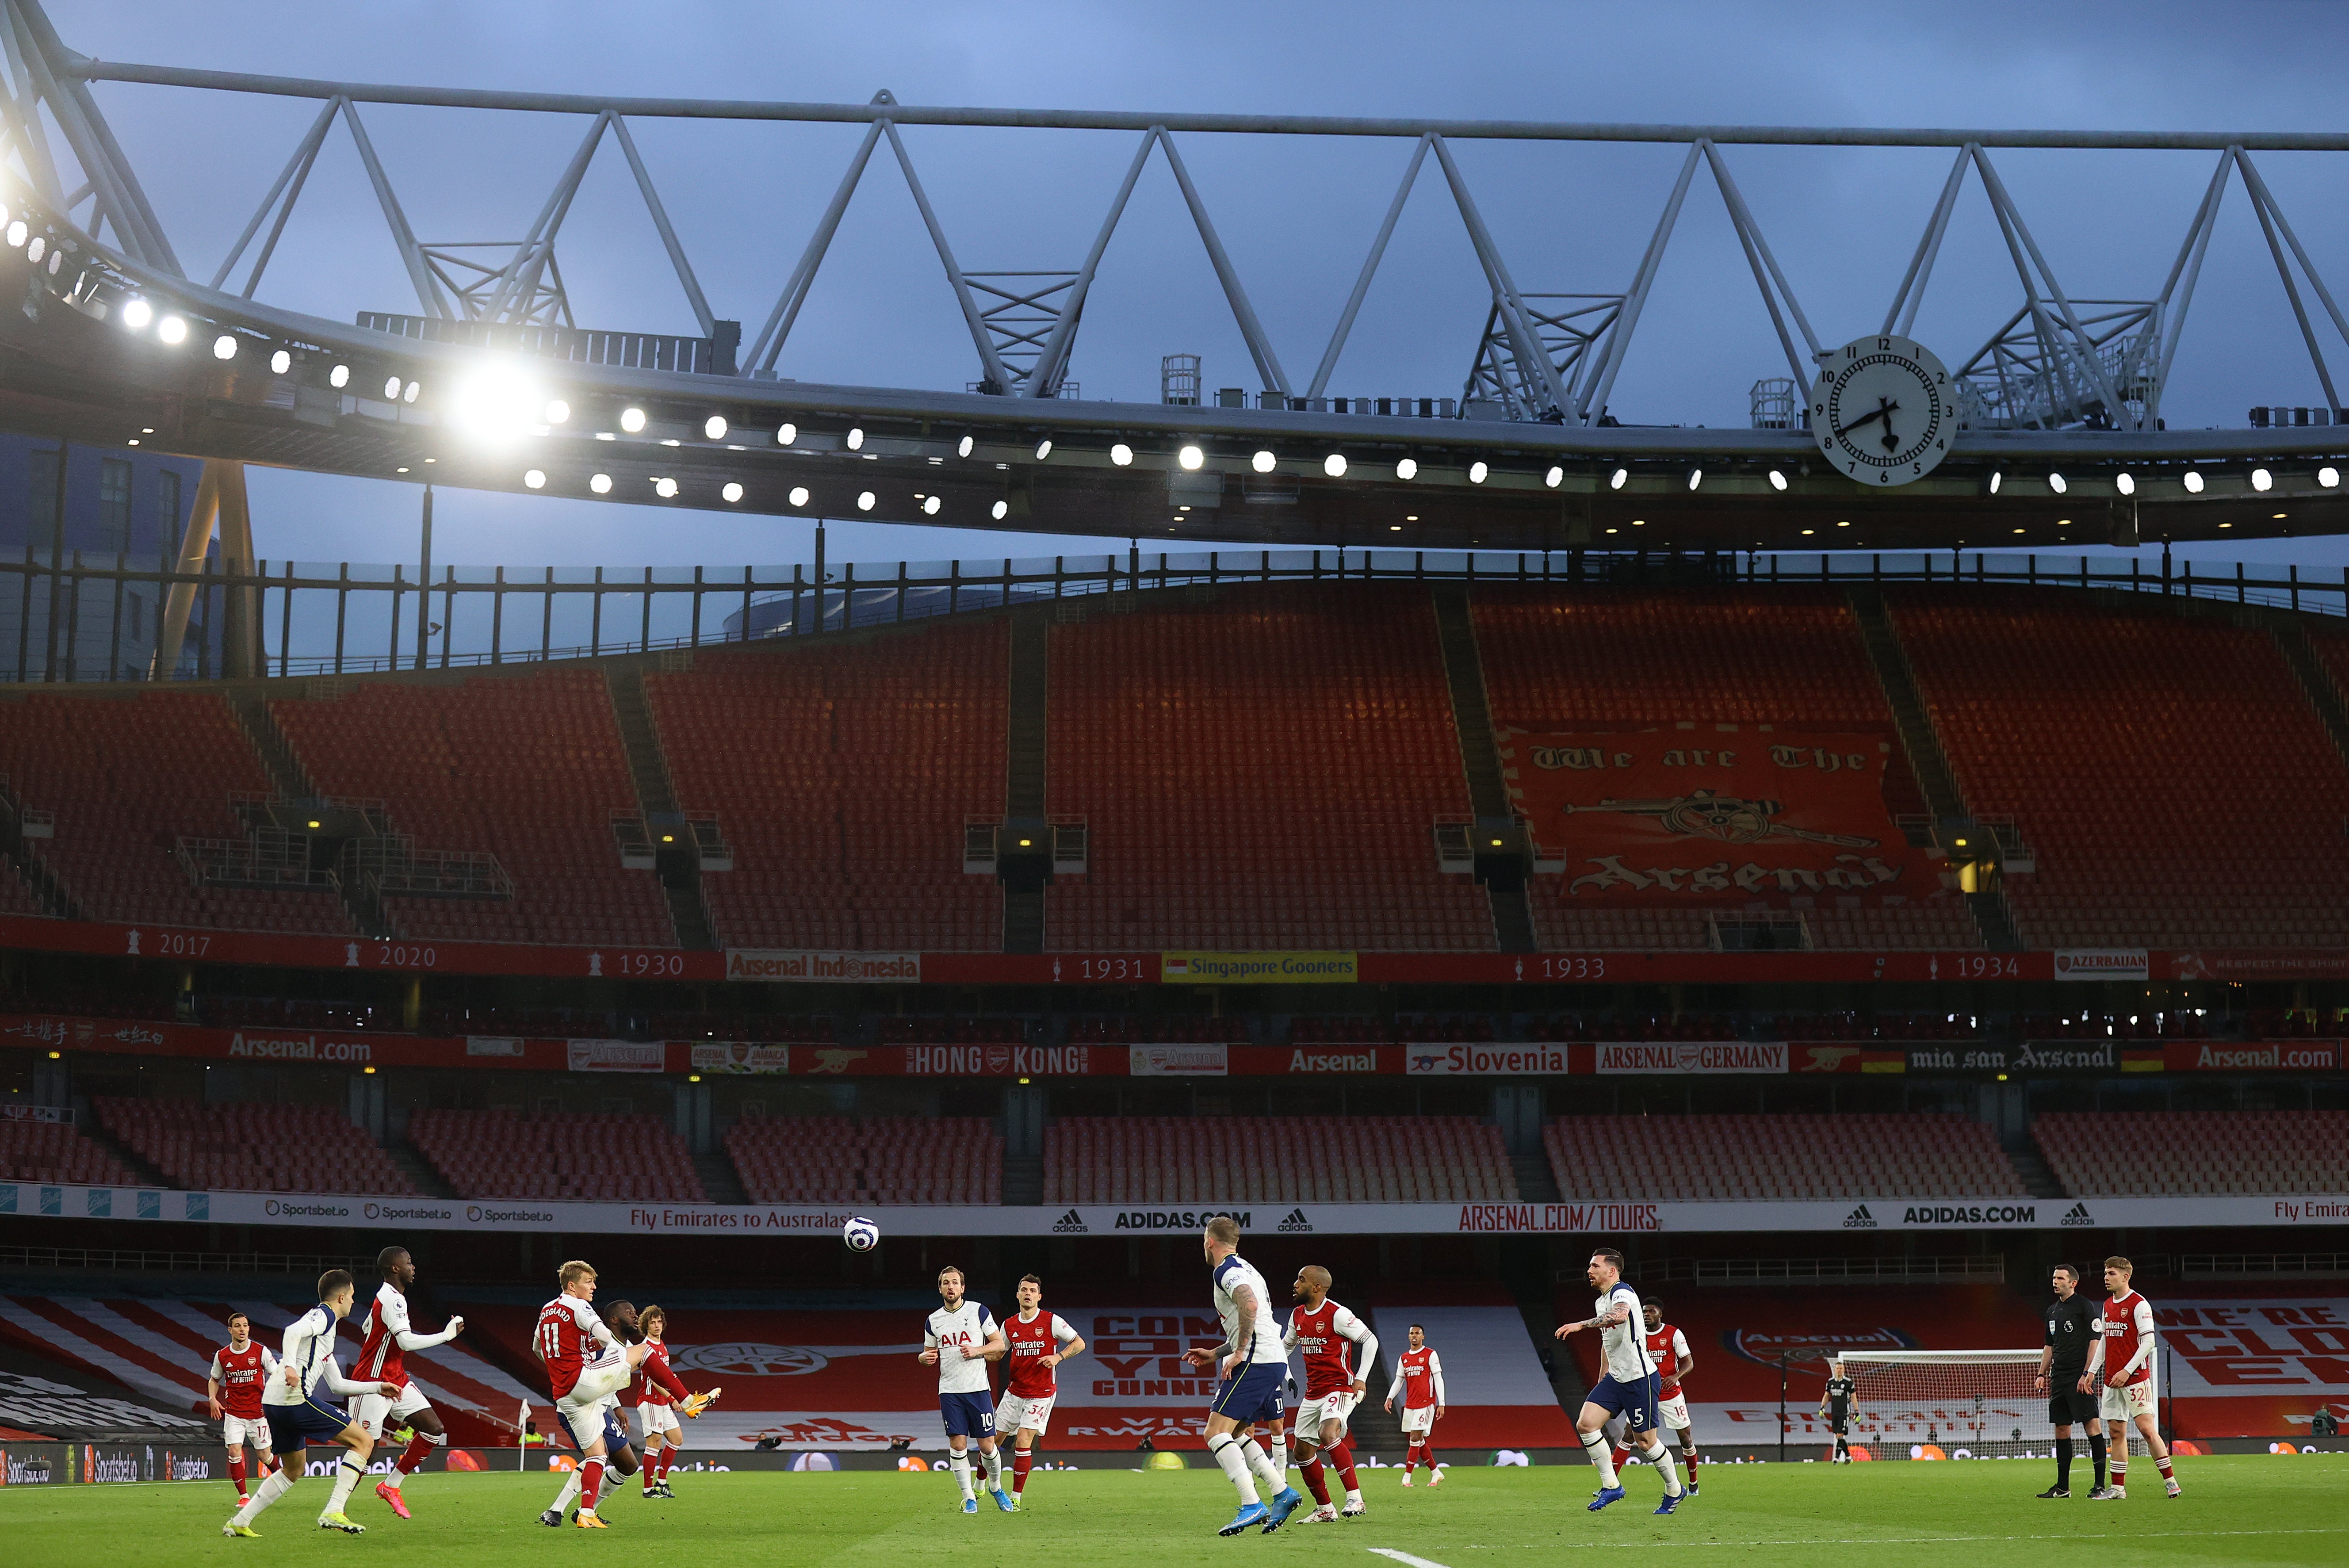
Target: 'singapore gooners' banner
1716, 813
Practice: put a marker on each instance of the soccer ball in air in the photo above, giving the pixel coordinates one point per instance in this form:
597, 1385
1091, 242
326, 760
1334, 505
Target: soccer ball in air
861, 1234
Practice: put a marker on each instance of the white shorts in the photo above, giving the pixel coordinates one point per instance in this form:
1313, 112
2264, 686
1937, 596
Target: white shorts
1674, 1412
238, 1431
596, 1385
585, 1422
2129, 1400
1420, 1420
369, 1411
652, 1417
1310, 1414
1014, 1413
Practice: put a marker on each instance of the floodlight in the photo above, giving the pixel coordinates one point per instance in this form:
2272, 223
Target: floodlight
665, 488
786, 433
601, 484
536, 479
1121, 454
732, 490
224, 346
2193, 482
173, 330
1777, 480
1334, 465
558, 412
1263, 462
2261, 480
1043, 448
1407, 469
33, 250
962, 448
1189, 457
865, 500
856, 438
410, 396
391, 388
1615, 479
2328, 477
497, 402
2055, 482
713, 429
632, 419
136, 313
2125, 482
799, 495
999, 510
16, 233
1555, 478
1997, 477
930, 505
340, 376
1478, 470
280, 363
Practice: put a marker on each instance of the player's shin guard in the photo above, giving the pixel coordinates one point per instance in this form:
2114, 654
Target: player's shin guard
347, 1475
992, 1461
1020, 1460
1259, 1464
1602, 1459
1688, 1463
420, 1449
1316, 1481
1225, 1449
1661, 1458
960, 1464
591, 1483
237, 1473
273, 1485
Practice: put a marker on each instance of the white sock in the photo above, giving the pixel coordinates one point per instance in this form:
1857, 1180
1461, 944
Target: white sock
1260, 1463
346, 1476
270, 1489
1278, 1454
1661, 1458
993, 1459
1602, 1457
569, 1494
1234, 1466
960, 1463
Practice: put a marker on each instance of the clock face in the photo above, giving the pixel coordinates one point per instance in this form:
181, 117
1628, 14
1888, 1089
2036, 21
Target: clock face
1883, 410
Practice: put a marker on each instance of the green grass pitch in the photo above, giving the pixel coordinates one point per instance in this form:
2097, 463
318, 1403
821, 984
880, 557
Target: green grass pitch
2245, 1510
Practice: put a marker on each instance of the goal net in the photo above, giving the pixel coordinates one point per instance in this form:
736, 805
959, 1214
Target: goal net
1947, 1404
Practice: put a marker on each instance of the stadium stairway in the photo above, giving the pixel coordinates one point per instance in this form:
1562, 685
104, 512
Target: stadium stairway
1480, 756
1027, 706
41, 886
2037, 1178
680, 865
291, 781
2291, 639
718, 1179
1927, 758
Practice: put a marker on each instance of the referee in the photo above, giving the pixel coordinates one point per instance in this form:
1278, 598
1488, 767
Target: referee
2063, 1375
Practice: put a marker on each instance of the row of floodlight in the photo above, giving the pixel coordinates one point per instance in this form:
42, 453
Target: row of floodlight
2192, 481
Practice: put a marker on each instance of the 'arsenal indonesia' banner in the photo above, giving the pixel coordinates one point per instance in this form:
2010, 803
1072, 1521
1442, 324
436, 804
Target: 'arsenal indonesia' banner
1713, 812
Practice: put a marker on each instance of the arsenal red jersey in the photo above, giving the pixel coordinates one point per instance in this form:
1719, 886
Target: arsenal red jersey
656, 1384
1666, 1346
2124, 1322
1030, 1340
566, 1340
1422, 1376
1325, 1335
241, 1376
380, 1353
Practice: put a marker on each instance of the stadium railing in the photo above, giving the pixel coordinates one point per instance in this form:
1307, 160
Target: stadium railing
108, 1260
341, 615
1980, 1269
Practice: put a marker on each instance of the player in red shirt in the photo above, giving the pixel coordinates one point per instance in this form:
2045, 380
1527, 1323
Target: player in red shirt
1325, 1333
241, 1369
658, 1394
382, 1360
1420, 1371
2121, 1364
1668, 1347
1036, 1342
587, 1367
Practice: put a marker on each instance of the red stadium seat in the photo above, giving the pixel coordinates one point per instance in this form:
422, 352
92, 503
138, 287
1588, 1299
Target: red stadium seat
1776, 1158
252, 1147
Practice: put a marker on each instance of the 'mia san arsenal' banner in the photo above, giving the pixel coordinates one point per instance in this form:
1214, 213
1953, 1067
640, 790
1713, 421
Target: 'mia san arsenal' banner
1713, 812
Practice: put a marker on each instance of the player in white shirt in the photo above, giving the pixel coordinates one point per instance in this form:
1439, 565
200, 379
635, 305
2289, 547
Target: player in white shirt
960, 1339
296, 1415
1626, 1386
1254, 1365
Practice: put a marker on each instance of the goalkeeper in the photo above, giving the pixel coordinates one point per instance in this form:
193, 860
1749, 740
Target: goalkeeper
1835, 1409
2063, 1377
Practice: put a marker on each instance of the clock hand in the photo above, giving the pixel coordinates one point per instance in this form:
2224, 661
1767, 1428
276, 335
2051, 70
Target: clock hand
1866, 419
1892, 441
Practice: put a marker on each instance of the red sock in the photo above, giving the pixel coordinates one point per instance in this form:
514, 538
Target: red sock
419, 1447
649, 1472
1315, 1481
1622, 1456
668, 1458
1020, 1460
276, 1464
591, 1481
2167, 1474
236, 1472
1344, 1454
2120, 1471
1688, 1460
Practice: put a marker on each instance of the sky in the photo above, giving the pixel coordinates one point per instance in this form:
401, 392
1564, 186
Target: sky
1296, 214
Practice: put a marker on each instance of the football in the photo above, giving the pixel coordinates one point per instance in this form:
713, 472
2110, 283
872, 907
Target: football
861, 1234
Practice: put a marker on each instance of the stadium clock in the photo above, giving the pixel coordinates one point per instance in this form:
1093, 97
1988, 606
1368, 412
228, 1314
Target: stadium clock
1883, 410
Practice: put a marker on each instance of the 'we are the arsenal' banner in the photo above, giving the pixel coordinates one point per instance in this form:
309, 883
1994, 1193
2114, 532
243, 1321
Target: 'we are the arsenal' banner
1713, 812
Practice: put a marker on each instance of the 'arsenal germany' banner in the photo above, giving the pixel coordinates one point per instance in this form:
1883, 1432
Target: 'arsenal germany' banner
1717, 812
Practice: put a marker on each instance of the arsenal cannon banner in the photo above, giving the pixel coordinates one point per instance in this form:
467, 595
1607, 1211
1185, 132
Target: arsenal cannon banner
1718, 813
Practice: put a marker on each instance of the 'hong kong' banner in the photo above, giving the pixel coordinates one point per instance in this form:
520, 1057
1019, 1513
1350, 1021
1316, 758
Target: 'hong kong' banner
1713, 813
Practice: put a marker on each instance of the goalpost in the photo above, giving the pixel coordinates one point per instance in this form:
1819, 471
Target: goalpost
1965, 1404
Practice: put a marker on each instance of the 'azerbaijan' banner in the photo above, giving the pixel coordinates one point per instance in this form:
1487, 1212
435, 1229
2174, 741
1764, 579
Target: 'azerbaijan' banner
1722, 813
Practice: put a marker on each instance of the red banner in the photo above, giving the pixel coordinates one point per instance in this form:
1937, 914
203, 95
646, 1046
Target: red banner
1717, 813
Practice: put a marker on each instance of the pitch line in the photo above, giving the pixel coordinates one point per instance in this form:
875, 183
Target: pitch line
1406, 1558
1412, 1561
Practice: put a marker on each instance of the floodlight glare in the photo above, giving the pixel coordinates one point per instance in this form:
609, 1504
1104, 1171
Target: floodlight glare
999, 510
1476, 472
1121, 454
713, 429
930, 506
410, 396
339, 376
732, 490
1263, 462
280, 363
1615, 479
2125, 482
1191, 457
534, 477
1555, 478
173, 330
962, 448
33, 250
1407, 468
2055, 482
2261, 480
2193, 482
632, 420
1777, 480
391, 388
16, 233
600, 483
856, 438
1696, 478
496, 403
558, 412
2328, 477
665, 488
224, 346
1334, 465
136, 313
865, 500
799, 495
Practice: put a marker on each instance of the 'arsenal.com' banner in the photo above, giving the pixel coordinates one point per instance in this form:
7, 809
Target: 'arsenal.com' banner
1716, 812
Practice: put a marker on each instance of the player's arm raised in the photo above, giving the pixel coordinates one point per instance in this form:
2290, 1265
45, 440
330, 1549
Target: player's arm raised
1617, 1311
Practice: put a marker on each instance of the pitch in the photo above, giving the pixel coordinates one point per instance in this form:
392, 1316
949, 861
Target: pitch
2247, 1510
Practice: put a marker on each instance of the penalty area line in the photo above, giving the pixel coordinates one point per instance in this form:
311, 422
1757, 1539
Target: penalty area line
1411, 1562
1406, 1558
